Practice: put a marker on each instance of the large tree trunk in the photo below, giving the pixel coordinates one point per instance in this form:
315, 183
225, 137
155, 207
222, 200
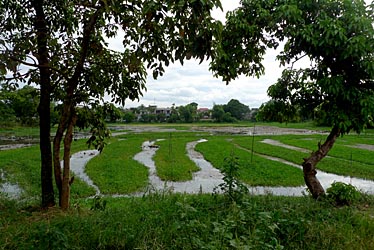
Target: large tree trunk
309, 164
48, 198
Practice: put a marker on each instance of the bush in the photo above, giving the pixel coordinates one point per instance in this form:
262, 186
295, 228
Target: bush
343, 194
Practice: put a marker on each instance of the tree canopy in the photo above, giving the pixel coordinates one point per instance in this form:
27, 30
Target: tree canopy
63, 47
336, 37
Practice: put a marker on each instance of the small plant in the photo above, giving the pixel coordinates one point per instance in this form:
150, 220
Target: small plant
232, 187
98, 204
343, 194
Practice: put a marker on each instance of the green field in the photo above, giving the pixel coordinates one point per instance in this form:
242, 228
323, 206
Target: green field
116, 172
163, 220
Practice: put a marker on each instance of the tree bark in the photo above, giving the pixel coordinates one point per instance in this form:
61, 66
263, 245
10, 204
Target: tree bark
68, 116
309, 164
66, 181
56, 148
40, 24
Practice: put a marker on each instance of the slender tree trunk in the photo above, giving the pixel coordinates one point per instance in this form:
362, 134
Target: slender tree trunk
66, 181
309, 164
48, 198
56, 148
68, 116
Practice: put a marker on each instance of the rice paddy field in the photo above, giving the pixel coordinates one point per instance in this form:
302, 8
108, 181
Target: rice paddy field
266, 156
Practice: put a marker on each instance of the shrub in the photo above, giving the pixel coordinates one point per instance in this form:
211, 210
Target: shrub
343, 194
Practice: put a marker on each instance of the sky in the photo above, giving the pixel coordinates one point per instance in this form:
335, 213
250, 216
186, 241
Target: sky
193, 82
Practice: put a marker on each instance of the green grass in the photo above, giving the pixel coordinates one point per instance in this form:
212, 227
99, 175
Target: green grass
171, 159
336, 164
190, 222
22, 166
115, 171
343, 148
253, 170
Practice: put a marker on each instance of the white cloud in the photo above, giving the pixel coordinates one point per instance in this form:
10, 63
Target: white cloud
193, 82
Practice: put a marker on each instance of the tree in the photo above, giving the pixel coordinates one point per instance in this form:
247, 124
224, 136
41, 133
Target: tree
24, 103
189, 112
129, 117
64, 45
219, 114
277, 111
237, 109
337, 38
6, 111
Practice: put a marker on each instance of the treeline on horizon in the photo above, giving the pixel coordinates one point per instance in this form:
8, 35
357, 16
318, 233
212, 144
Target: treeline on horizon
20, 106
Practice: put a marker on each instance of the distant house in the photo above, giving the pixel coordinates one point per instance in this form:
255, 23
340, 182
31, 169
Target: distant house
205, 113
165, 111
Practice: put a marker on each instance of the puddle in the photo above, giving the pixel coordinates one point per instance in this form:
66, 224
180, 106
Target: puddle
12, 191
204, 181
363, 146
326, 179
78, 163
14, 146
280, 144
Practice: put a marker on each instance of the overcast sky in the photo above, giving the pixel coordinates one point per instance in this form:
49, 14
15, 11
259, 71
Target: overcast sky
193, 82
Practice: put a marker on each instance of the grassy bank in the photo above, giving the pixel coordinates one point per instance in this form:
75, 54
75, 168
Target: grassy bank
171, 159
22, 166
253, 170
115, 171
162, 221
342, 160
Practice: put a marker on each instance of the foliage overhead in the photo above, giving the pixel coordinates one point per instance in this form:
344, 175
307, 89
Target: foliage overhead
153, 35
337, 38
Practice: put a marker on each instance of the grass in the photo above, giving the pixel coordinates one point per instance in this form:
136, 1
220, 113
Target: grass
162, 221
115, 171
337, 165
256, 171
22, 166
171, 159
343, 148
175, 221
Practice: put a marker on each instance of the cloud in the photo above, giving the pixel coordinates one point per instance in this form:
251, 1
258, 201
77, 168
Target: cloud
193, 82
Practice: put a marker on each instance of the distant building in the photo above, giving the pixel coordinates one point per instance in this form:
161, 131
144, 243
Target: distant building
205, 113
165, 111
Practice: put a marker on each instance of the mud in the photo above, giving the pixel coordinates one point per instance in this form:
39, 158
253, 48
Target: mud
257, 130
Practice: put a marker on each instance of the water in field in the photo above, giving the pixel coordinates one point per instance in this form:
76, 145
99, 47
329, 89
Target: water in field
9, 189
78, 162
208, 177
203, 181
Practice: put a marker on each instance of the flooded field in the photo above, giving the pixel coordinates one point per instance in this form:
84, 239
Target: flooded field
207, 178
